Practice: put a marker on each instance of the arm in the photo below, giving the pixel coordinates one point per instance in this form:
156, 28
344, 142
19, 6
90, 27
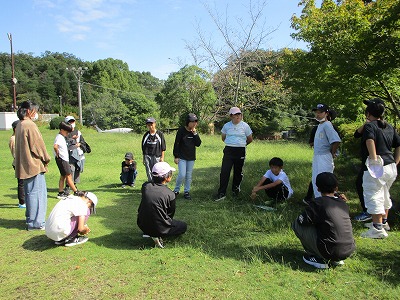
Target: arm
370, 143
55, 147
397, 155
82, 227
334, 147
175, 151
223, 137
249, 139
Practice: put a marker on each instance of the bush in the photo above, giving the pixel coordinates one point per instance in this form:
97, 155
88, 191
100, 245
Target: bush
350, 145
55, 122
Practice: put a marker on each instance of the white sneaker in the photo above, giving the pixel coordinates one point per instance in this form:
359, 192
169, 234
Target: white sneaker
385, 226
374, 233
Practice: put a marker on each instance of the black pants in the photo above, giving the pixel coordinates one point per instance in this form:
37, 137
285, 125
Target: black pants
20, 190
278, 193
233, 157
359, 188
178, 228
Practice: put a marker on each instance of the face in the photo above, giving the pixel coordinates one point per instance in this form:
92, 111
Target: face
192, 124
151, 126
275, 170
236, 118
319, 115
72, 123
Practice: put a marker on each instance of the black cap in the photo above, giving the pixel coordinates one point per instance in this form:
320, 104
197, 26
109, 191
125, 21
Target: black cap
322, 107
374, 101
150, 120
192, 117
129, 155
14, 124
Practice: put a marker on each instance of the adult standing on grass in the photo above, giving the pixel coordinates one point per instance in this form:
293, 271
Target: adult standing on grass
186, 141
236, 135
20, 186
326, 144
66, 224
324, 228
157, 207
77, 148
380, 172
153, 146
31, 160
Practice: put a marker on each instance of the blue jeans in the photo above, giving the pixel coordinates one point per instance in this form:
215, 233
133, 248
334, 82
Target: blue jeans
36, 201
185, 168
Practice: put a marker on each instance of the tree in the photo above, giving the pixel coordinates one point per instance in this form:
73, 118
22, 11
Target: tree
188, 90
354, 48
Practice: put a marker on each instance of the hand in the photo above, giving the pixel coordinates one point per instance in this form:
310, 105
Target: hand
253, 195
376, 162
176, 160
85, 231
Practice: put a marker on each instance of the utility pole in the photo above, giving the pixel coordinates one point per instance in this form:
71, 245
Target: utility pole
60, 106
13, 79
78, 72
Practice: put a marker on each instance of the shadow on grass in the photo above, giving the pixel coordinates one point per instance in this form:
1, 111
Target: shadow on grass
8, 224
39, 243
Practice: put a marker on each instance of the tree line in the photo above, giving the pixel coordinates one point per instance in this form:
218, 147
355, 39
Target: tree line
352, 55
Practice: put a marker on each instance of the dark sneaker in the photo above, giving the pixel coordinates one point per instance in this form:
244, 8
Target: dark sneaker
123, 186
60, 243
62, 195
219, 197
186, 195
76, 193
176, 193
315, 261
158, 242
76, 241
132, 185
363, 217
35, 228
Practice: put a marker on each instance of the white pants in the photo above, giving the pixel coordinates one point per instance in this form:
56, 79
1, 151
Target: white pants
376, 191
321, 163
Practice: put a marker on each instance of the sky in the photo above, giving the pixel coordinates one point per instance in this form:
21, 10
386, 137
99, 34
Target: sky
149, 35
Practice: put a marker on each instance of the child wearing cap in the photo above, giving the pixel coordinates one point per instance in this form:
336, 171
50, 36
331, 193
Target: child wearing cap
62, 159
236, 135
20, 186
380, 167
153, 146
186, 141
66, 224
275, 182
324, 228
128, 170
157, 207
326, 144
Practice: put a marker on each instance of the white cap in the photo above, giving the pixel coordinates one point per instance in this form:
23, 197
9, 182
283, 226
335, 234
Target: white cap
69, 118
234, 110
161, 168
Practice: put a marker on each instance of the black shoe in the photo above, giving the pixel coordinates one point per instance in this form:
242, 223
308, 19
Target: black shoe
219, 197
315, 261
186, 195
62, 195
176, 194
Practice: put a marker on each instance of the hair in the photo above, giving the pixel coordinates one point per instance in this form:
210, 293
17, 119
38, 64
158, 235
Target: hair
187, 121
332, 114
326, 182
65, 126
22, 111
162, 178
276, 161
377, 110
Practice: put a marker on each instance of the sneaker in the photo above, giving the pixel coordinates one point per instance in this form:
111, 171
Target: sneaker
384, 226
21, 206
374, 233
76, 193
362, 217
158, 242
62, 195
132, 185
315, 261
186, 195
60, 243
145, 235
219, 197
336, 263
176, 193
76, 241
35, 228
123, 186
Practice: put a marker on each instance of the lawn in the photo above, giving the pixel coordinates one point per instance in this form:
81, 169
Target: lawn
231, 250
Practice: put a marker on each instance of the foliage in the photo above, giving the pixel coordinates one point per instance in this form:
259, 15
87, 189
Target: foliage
353, 53
55, 122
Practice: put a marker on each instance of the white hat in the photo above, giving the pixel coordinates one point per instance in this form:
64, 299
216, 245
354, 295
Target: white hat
94, 199
161, 168
234, 110
69, 118
375, 168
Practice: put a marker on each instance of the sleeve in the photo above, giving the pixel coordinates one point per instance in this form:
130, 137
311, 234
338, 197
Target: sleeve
197, 140
37, 146
224, 129
369, 132
248, 130
357, 135
178, 139
331, 133
143, 147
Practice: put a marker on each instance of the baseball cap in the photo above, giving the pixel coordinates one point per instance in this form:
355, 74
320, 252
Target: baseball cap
129, 155
69, 118
322, 107
94, 199
192, 117
161, 168
234, 110
150, 120
374, 101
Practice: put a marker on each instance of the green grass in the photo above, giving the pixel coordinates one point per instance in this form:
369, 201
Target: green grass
230, 251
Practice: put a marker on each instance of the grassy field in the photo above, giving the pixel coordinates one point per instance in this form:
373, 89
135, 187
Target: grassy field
231, 249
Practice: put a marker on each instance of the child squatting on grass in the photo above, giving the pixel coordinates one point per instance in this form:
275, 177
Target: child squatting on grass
275, 182
66, 224
324, 228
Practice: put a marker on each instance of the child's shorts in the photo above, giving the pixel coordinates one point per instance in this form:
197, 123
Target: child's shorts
63, 166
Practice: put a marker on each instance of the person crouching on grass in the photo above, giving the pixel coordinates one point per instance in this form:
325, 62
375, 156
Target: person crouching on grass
157, 207
275, 182
62, 159
324, 228
66, 224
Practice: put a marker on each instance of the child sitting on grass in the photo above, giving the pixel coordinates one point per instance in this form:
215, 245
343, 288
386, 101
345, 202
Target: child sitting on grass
275, 182
324, 228
128, 170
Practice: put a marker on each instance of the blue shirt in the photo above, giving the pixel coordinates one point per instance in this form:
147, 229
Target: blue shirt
236, 135
324, 137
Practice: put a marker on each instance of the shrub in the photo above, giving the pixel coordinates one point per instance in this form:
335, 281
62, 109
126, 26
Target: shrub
55, 122
350, 145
